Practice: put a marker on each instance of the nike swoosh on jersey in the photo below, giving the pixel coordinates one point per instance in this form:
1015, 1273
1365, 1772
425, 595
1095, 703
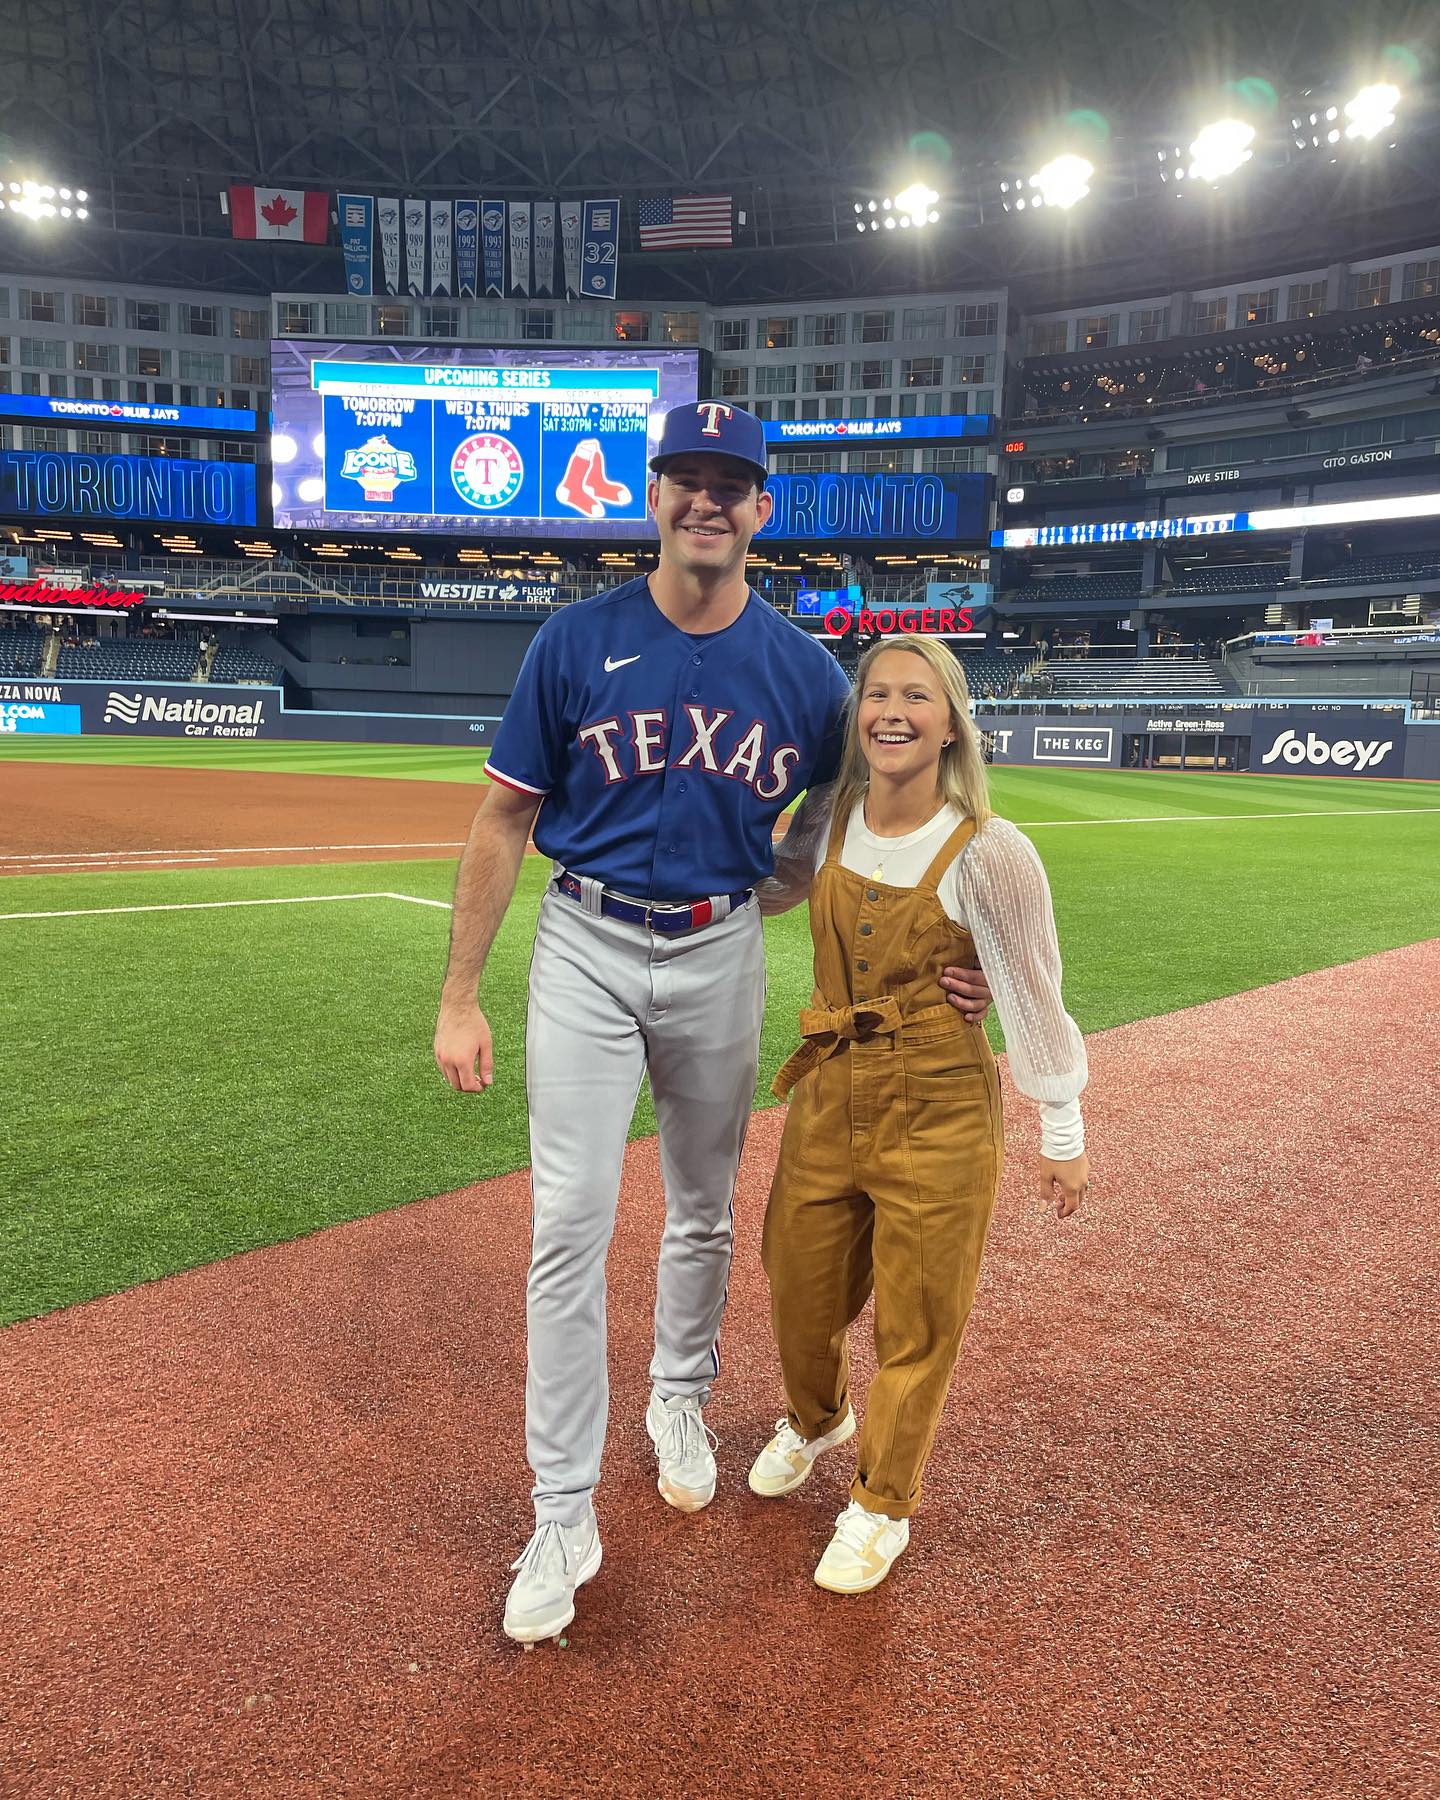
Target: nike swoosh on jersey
612, 663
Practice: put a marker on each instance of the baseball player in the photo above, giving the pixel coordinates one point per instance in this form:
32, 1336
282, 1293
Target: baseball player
655, 735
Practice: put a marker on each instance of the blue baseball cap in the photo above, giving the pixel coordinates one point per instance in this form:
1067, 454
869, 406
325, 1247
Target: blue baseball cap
712, 428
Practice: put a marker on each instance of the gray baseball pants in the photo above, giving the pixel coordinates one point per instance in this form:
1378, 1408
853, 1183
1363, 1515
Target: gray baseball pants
610, 1001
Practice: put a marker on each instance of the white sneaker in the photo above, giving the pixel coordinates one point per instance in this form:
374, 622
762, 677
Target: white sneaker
556, 1561
685, 1448
786, 1461
861, 1553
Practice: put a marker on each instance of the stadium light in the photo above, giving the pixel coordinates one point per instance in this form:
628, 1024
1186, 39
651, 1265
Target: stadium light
914, 205
1063, 181
1220, 149
1372, 110
37, 200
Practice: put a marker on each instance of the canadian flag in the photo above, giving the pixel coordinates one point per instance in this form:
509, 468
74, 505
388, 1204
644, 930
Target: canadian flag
295, 213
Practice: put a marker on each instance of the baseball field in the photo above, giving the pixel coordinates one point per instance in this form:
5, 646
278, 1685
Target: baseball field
259, 1509
222, 962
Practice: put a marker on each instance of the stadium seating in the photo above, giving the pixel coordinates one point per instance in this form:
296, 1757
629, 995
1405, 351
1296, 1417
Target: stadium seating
1119, 586
243, 665
21, 650
1406, 566
1139, 678
1231, 578
992, 674
129, 659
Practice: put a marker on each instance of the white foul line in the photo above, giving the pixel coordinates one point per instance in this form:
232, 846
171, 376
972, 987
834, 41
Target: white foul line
85, 912
1320, 812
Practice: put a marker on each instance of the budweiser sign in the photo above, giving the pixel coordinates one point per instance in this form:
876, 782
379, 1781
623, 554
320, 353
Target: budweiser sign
37, 593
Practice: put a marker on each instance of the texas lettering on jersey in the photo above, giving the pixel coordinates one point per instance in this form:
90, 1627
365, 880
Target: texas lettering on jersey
633, 744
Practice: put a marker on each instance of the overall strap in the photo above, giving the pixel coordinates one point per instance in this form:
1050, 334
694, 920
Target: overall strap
949, 850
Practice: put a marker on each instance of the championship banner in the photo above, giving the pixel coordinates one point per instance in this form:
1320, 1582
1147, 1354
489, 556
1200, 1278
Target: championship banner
387, 218
544, 246
600, 252
492, 244
415, 246
520, 246
467, 246
440, 213
357, 240
570, 245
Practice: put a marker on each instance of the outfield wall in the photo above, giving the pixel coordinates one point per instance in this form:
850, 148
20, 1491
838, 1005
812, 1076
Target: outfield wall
1276, 739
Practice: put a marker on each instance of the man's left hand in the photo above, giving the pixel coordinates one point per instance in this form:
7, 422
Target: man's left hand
968, 992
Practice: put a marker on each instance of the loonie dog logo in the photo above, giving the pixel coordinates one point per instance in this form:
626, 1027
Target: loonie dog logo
379, 468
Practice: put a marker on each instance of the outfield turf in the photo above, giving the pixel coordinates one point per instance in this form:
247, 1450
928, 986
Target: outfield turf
182, 1085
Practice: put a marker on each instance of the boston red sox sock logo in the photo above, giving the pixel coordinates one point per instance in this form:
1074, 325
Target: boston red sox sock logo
585, 487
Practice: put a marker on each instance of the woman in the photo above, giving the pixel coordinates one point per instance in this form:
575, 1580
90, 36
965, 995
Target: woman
893, 1146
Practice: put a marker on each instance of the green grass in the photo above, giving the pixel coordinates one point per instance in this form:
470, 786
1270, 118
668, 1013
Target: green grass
180, 1086
399, 762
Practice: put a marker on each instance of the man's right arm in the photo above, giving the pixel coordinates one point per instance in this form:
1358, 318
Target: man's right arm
489, 867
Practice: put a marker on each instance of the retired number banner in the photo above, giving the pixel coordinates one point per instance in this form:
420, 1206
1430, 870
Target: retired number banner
600, 252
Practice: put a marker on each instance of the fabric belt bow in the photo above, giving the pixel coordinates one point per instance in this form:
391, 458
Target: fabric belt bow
825, 1029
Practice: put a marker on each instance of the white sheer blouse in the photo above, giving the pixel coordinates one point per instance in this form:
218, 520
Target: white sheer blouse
997, 889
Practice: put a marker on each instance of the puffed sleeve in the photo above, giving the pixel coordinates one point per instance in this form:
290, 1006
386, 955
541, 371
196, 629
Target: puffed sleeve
1006, 901
798, 854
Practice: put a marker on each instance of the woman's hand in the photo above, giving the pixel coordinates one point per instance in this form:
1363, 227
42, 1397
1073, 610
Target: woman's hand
1066, 1183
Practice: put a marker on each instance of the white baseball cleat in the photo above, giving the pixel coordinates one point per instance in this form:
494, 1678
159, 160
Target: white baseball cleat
685, 1449
786, 1461
556, 1561
862, 1551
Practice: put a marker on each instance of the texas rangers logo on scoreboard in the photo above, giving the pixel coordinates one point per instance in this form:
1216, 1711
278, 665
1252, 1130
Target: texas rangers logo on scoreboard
487, 470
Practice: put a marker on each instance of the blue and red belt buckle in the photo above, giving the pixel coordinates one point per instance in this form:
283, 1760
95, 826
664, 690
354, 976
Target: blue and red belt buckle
655, 918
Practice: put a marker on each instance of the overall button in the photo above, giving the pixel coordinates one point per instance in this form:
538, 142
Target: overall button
865, 930
863, 966
872, 894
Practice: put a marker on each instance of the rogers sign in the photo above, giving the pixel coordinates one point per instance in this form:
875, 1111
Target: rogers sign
36, 593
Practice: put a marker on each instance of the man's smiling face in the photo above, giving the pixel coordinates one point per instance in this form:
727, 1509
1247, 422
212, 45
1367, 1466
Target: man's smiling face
707, 509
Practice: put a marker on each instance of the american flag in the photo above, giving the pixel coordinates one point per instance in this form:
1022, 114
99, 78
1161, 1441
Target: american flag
684, 221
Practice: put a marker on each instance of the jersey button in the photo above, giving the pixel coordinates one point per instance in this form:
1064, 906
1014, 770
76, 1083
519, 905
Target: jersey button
694, 693
682, 787
696, 659
670, 849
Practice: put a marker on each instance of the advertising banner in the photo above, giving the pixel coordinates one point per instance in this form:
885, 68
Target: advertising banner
600, 247
119, 415
387, 223
54, 484
357, 240
140, 709
519, 211
492, 242
467, 247
415, 215
570, 214
440, 215
901, 509
1314, 744
841, 431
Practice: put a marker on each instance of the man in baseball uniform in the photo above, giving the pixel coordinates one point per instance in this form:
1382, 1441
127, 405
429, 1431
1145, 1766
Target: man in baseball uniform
654, 736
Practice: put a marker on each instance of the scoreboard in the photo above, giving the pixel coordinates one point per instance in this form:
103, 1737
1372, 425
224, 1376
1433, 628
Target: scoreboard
504, 441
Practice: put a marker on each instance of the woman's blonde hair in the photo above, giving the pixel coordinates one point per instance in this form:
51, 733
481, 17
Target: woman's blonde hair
961, 778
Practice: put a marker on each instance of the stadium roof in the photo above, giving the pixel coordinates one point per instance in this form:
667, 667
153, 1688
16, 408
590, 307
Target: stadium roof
796, 109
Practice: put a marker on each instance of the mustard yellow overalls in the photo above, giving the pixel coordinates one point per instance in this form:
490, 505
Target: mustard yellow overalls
888, 1170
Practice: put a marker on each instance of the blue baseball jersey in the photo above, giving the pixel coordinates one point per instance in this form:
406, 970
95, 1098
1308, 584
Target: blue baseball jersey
664, 758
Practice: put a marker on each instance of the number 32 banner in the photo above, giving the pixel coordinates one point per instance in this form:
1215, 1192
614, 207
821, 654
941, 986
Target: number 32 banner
600, 251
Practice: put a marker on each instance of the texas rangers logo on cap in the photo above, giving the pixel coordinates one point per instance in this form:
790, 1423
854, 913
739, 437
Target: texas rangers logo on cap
712, 428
